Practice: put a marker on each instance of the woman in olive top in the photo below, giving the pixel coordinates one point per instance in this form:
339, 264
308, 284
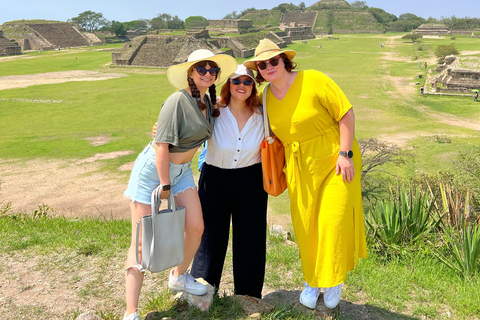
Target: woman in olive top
184, 123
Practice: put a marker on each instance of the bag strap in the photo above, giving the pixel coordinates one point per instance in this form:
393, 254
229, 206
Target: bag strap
269, 135
138, 239
266, 122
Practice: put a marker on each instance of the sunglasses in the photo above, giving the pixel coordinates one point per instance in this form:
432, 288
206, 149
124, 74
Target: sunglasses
202, 71
238, 82
263, 65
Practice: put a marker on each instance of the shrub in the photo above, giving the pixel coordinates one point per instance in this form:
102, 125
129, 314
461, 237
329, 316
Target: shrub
376, 154
462, 250
442, 51
403, 220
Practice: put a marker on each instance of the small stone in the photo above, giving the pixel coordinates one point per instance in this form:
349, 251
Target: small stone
278, 231
201, 302
88, 316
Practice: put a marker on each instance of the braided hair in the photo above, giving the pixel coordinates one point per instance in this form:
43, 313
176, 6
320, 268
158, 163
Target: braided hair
212, 89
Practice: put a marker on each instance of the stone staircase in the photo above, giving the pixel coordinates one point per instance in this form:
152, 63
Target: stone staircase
62, 35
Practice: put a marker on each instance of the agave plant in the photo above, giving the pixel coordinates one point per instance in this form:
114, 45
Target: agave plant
463, 250
403, 219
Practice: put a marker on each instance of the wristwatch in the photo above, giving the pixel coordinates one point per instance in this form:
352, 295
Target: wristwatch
166, 187
348, 154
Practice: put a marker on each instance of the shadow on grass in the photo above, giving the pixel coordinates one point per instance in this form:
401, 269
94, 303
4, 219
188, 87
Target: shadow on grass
287, 306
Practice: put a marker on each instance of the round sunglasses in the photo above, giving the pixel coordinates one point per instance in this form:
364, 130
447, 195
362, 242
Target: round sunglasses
263, 65
238, 82
202, 71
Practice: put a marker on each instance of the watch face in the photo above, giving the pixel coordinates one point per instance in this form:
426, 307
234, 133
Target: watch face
166, 187
350, 154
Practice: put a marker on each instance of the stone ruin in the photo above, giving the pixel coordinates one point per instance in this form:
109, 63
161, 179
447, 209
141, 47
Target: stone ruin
48, 36
298, 25
236, 26
432, 30
167, 50
8, 47
160, 50
440, 30
455, 78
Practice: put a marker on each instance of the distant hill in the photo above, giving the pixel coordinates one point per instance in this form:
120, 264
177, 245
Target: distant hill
334, 16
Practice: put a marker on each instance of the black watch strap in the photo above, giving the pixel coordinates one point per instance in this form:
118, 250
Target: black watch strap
166, 187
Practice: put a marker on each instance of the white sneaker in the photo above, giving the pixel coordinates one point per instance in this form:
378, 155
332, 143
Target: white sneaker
331, 296
132, 316
186, 282
309, 296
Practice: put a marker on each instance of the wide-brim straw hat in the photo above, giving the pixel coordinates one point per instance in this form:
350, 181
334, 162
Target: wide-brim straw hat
265, 50
177, 74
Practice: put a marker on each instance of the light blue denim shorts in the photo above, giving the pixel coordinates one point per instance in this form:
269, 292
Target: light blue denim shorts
144, 177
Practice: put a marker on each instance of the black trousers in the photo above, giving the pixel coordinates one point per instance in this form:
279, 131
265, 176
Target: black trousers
237, 194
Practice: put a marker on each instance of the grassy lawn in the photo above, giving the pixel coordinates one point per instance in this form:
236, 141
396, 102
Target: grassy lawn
85, 256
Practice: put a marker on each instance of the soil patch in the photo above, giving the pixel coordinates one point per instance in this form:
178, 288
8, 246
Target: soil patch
23, 81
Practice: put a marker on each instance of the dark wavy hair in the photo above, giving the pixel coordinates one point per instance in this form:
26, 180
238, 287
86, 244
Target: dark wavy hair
211, 90
252, 101
289, 66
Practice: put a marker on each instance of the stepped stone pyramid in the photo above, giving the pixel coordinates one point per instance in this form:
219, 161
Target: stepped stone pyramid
47, 36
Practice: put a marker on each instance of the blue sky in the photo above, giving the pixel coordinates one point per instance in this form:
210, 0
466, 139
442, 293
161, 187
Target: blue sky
122, 10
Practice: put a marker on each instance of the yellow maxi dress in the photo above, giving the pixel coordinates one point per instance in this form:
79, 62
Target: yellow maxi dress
327, 213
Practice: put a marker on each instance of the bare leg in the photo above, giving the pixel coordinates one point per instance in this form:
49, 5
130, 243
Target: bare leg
134, 279
193, 227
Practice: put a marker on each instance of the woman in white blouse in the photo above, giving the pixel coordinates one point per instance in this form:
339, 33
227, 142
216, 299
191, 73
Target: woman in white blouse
231, 187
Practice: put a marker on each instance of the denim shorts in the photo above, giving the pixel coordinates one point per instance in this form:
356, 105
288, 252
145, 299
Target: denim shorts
144, 177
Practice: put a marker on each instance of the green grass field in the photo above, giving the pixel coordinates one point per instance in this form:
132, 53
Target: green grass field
52, 121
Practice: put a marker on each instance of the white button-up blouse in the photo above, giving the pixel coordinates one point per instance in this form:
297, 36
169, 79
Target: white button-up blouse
228, 148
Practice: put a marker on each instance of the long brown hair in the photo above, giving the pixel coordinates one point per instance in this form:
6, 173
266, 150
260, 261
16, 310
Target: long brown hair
252, 101
289, 66
211, 90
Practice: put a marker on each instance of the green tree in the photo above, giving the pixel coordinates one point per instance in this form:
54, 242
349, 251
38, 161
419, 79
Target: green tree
118, 28
90, 20
232, 15
158, 23
442, 51
196, 22
382, 16
302, 6
175, 23
359, 4
413, 37
286, 7
406, 22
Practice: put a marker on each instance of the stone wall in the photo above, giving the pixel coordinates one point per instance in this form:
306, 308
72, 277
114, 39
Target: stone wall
293, 19
231, 23
8, 47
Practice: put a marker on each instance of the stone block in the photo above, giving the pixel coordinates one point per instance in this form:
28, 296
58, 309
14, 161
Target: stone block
201, 302
88, 316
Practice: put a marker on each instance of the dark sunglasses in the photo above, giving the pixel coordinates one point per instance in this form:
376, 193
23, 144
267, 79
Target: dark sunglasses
202, 71
238, 82
263, 65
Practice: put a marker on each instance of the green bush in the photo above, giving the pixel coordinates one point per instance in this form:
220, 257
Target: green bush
462, 253
442, 51
402, 221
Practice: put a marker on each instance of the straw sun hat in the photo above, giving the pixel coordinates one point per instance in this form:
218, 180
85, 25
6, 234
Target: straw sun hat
265, 50
177, 74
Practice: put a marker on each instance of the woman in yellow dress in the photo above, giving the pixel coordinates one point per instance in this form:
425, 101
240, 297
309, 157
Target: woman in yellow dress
313, 118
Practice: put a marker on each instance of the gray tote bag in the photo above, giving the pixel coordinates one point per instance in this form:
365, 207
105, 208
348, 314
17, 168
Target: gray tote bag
162, 235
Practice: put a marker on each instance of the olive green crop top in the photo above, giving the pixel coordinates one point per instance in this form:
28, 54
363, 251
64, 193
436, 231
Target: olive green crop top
182, 124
